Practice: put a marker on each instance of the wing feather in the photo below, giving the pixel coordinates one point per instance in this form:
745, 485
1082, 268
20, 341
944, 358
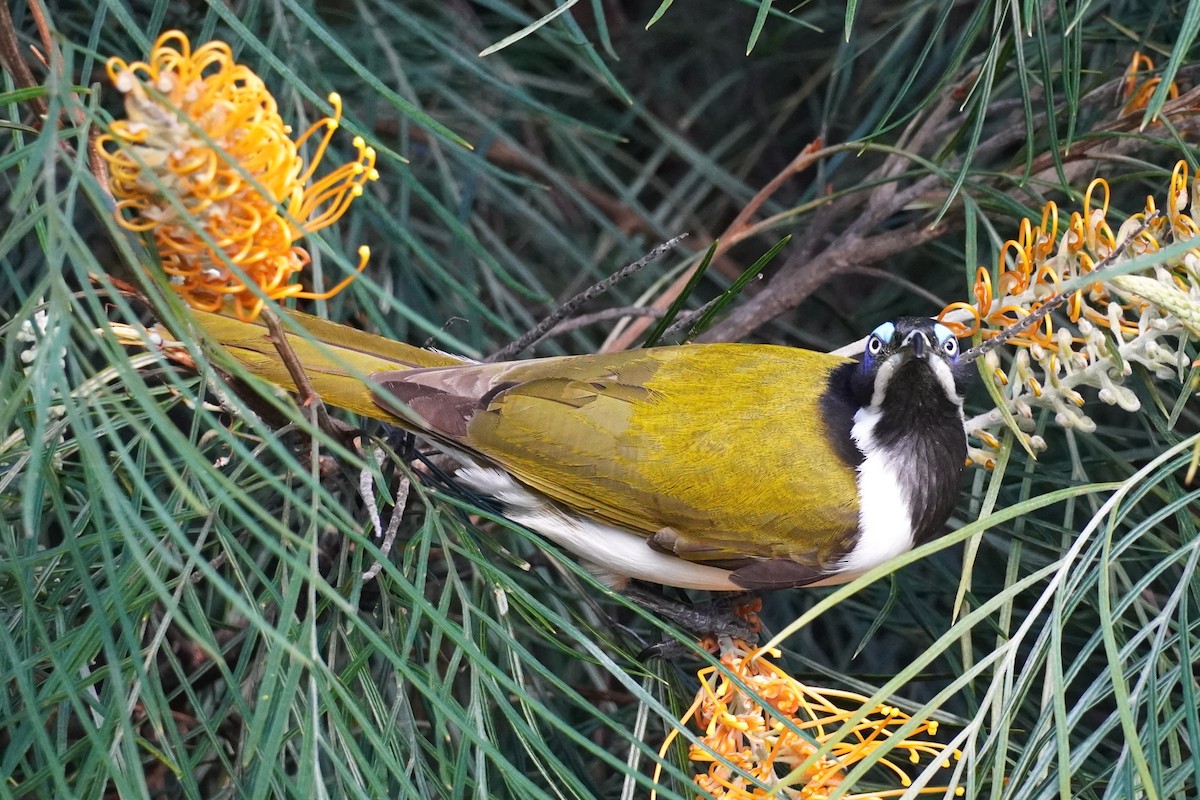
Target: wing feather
633, 439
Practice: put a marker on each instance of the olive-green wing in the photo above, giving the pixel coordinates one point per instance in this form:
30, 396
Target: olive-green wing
716, 452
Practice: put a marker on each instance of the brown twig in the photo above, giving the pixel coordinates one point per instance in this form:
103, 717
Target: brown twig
54, 63
304, 388
867, 210
584, 320
788, 288
737, 230
14, 62
39, 19
539, 331
820, 258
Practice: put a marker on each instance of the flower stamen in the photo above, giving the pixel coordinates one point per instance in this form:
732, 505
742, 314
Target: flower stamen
204, 163
748, 730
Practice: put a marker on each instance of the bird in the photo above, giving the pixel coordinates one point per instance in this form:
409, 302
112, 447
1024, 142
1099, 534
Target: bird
721, 467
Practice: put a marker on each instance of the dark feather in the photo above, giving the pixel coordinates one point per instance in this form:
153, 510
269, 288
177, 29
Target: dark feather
776, 573
838, 404
441, 411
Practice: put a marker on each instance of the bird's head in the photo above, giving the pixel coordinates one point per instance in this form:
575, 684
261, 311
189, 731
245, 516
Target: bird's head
906, 395
911, 361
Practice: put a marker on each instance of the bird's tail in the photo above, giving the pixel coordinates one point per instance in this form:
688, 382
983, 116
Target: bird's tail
337, 359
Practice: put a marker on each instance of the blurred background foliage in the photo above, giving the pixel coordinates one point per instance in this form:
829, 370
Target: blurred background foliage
181, 580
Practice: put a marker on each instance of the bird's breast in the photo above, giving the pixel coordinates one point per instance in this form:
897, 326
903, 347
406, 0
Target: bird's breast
885, 519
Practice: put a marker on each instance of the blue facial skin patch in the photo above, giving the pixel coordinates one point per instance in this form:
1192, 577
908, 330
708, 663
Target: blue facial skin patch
880, 337
944, 335
886, 330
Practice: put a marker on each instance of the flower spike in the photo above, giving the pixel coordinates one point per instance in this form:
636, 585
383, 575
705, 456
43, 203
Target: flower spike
747, 729
1112, 321
204, 163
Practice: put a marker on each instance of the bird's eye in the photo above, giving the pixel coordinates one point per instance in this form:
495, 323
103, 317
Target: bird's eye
876, 342
947, 341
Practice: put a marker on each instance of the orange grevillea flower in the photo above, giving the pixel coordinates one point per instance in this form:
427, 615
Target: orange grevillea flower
1034, 266
204, 163
747, 729
1111, 324
1037, 263
1136, 91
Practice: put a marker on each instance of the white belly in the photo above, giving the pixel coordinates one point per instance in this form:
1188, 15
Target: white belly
612, 554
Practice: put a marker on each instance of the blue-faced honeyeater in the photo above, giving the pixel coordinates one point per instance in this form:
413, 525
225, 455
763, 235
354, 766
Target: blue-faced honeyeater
709, 466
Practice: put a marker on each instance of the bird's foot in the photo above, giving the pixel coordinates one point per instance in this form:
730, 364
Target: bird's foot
728, 617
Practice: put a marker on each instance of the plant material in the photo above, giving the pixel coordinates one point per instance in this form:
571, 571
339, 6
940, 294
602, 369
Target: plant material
205, 164
1118, 321
1115, 323
1137, 93
756, 731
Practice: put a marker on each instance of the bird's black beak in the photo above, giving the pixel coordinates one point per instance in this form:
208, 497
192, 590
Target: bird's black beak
918, 342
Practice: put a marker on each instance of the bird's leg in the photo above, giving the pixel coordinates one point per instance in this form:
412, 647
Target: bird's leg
731, 615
